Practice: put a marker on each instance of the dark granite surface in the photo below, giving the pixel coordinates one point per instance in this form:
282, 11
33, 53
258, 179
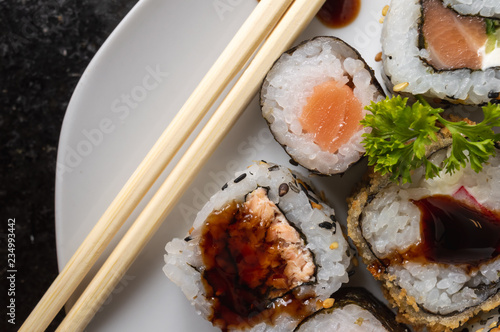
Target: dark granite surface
44, 48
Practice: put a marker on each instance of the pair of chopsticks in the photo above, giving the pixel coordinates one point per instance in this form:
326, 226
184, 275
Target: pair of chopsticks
281, 21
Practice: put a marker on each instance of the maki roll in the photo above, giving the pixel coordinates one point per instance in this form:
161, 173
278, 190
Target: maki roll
354, 310
433, 243
444, 50
262, 253
313, 99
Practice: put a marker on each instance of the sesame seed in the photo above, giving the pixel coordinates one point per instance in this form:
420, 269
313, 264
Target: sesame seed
493, 95
294, 187
316, 206
400, 86
378, 57
334, 245
326, 225
311, 198
385, 10
381, 20
241, 177
283, 189
355, 261
328, 303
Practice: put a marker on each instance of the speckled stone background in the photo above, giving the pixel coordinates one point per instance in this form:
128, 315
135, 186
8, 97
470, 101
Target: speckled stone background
44, 48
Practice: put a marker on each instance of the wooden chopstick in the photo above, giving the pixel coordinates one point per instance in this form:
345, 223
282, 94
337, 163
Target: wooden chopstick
295, 20
231, 61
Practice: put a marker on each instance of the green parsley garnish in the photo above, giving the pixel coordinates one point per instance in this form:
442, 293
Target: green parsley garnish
400, 134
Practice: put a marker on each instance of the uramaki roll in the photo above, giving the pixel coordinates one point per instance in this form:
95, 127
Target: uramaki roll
433, 50
434, 244
262, 254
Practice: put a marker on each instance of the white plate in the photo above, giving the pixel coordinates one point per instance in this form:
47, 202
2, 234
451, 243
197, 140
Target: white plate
131, 90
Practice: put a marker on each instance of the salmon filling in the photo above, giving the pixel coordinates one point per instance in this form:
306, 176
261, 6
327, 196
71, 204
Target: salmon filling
252, 256
332, 115
453, 41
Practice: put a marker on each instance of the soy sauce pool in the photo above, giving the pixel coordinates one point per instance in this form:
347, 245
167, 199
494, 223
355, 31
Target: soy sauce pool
339, 13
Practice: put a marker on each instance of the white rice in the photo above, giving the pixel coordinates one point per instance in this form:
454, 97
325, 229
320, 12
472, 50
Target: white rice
486, 8
184, 260
290, 83
403, 60
351, 317
391, 223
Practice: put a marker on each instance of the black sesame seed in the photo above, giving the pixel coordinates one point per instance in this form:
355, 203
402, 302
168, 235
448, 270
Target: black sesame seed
293, 187
332, 218
312, 199
283, 189
224, 186
351, 273
241, 177
308, 187
493, 94
273, 168
263, 161
302, 187
188, 238
293, 162
326, 225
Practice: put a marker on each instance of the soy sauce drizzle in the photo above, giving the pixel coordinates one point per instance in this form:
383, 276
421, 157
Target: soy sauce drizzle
454, 232
242, 299
339, 13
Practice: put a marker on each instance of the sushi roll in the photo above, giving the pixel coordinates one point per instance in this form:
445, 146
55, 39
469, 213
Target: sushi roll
433, 243
443, 50
355, 310
313, 99
262, 253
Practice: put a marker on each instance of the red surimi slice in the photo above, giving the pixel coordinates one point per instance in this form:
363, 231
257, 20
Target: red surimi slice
452, 40
463, 195
332, 114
